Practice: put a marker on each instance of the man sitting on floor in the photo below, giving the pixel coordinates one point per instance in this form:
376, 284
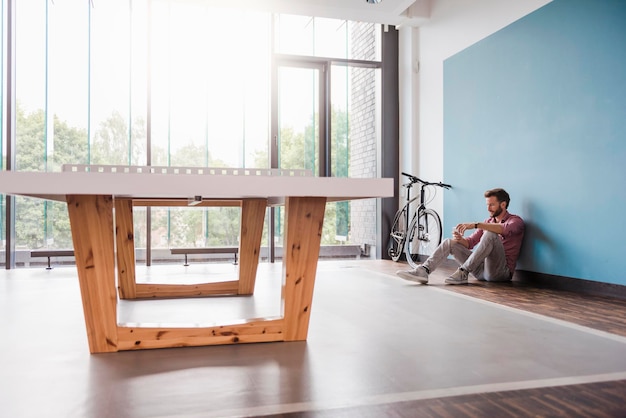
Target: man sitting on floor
490, 253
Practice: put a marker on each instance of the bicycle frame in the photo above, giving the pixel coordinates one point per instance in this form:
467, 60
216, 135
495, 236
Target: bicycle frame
410, 201
414, 229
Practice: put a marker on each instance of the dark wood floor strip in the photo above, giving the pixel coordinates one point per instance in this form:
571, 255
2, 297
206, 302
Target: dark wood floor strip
601, 313
597, 400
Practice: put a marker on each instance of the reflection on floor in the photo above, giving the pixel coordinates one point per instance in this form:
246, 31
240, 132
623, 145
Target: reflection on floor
377, 346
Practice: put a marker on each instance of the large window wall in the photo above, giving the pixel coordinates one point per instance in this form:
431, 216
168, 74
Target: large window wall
178, 83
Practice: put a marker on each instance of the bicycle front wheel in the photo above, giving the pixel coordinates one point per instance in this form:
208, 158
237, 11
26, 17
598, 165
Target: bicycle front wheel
397, 235
424, 236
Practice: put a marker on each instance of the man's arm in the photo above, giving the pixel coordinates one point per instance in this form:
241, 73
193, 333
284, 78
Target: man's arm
471, 240
491, 227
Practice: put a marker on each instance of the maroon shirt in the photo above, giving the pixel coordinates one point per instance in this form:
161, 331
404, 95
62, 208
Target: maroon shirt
511, 236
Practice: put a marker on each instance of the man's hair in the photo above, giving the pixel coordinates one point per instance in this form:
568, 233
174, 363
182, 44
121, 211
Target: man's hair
500, 194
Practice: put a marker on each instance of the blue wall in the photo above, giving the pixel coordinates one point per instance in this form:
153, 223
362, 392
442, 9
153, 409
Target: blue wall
539, 108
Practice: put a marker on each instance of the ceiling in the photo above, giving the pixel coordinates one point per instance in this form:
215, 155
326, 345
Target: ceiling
392, 12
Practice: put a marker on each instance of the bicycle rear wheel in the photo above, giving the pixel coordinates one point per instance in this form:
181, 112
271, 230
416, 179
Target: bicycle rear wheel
397, 235
424, 236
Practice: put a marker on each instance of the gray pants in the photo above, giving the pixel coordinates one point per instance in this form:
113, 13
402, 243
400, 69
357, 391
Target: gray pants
486, 261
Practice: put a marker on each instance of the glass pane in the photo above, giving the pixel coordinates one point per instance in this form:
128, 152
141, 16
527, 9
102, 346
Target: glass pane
186, 227
188, 65
195, 227
31, 118
66, 116
328, 38
337, 219
256, 89
331, 38
210, 106
298, 118
298, 126
294, 35
210, 99
159, 234
140, 225
159, 88
222, 227
138, 85
110, 111
238, 90
68, 84
30, 88
340, 104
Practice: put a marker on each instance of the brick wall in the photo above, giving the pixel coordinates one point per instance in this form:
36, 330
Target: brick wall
363, 130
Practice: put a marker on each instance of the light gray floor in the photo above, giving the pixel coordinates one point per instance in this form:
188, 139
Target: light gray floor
373, 339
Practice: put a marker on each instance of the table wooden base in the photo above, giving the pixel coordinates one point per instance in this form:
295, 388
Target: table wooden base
95, 246
251, 231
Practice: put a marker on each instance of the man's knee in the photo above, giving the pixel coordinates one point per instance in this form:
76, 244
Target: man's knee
455, 248
489, 236
449, 243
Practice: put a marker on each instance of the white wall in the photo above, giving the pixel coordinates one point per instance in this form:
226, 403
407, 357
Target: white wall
454, 25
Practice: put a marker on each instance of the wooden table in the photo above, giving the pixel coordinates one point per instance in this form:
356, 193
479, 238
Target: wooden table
100, 203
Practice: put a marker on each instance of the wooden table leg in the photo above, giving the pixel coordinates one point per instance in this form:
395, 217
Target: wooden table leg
252, 220
91, 219
125, 242
304, 219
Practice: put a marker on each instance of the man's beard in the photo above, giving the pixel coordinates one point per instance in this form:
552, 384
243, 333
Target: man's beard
497, 213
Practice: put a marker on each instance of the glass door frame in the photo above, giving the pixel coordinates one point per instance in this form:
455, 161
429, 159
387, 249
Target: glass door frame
323, 127
324, 66
323, 108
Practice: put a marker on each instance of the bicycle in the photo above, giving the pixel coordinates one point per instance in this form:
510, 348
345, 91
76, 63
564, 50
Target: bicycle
423, 234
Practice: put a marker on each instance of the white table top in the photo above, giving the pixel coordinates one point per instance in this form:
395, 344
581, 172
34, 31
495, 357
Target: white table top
155, 185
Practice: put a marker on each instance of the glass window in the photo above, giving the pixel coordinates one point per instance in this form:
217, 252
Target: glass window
117, 136
298, 118
42, 126
67, 110
30, 89
327, 38
164, 88
210, 106
194, 227
210, 99
354, 115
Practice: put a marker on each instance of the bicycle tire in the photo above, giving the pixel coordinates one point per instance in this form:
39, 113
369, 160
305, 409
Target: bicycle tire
397, 235
424, 236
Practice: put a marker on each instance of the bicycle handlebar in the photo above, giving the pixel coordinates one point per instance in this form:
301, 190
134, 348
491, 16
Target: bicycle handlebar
414, 180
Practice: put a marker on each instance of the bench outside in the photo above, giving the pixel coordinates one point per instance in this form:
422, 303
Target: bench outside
51, 253
205, 250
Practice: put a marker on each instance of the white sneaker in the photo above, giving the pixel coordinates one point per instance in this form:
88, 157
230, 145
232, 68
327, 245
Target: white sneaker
458, 277
419, 275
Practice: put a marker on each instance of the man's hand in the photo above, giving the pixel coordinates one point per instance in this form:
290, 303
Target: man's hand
457, 236
461, 228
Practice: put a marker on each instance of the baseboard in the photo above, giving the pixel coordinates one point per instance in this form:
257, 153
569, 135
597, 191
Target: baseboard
550, 281
570, 284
